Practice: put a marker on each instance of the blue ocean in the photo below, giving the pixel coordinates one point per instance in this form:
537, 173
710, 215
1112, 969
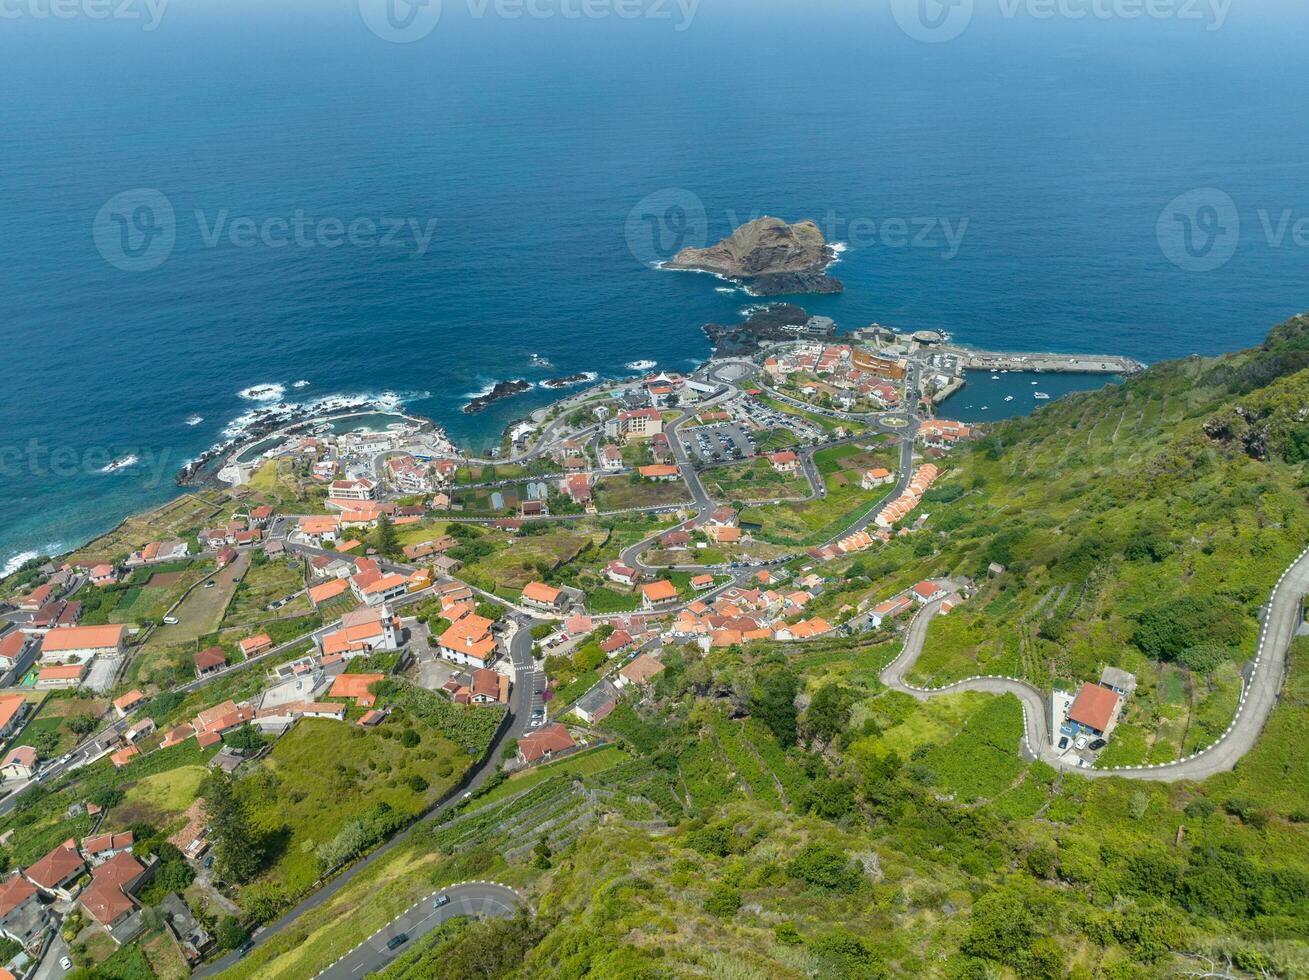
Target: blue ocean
215, 195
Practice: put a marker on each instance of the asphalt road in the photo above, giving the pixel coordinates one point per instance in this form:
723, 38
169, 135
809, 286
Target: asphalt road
475, 898
520, 705
1281, 620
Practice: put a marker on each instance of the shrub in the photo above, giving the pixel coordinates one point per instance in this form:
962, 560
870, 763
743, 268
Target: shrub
723, 902
826, 867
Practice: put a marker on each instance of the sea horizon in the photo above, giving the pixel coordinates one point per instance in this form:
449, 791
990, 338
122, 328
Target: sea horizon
531, 178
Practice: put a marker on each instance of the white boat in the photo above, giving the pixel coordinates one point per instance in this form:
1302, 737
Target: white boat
1040, 395
985, 407
995, 377
194, 419
1008, 398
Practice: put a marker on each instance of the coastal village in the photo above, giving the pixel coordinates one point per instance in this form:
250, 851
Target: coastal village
377, 587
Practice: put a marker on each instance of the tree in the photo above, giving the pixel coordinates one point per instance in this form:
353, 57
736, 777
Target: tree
247, 738
1001, 928
772, 701
829, 712
230, 933
45, 741
387, 543
83, 724
237, 851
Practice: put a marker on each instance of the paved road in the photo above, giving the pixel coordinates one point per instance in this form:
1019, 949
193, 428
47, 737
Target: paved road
520, 705
1282, 618
475, 898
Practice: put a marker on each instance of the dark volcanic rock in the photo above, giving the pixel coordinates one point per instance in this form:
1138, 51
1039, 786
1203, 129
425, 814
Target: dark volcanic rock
572, 379
502, 389
776, 321
792, 283
769, 256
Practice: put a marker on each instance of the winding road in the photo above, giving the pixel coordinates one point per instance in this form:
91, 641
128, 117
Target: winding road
468, 900
1282, 617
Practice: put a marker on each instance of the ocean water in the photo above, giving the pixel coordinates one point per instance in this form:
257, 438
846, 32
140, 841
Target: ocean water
1033, 184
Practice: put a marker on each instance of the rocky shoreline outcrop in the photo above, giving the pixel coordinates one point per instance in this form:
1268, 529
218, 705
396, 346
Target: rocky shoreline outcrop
774, 322
499, 391
768, 257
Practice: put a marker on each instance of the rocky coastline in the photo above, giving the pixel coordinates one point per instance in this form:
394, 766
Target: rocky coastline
499, 391
770, 323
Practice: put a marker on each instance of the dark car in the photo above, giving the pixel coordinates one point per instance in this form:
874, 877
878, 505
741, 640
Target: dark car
396, 941
245, 947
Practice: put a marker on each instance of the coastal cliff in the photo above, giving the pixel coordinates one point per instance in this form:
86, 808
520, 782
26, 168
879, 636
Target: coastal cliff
768, 256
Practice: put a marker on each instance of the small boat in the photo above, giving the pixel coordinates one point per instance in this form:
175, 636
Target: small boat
985, 407
1008, 398
1040, 395
1033, 382
194, 419
995, 377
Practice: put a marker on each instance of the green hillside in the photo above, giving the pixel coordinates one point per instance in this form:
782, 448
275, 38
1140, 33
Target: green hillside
780, 814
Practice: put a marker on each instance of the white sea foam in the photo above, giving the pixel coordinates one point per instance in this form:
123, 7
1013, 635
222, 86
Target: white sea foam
194, 419
640, 365
300, 384
839, 248
120, 464
17, 562
725, 290
386, 401
586, 377
263, 393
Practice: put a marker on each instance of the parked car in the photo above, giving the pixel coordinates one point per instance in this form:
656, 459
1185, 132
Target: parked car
65, 963
396, 941
171, 620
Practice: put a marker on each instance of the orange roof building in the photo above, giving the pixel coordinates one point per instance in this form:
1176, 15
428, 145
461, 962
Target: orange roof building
468, 641
355, 686
658, 593
1094, 709
541, 595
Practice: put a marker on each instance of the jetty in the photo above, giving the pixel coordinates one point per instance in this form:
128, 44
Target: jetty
981, 360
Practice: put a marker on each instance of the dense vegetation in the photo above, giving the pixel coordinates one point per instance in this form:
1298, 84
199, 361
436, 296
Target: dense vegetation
817, 824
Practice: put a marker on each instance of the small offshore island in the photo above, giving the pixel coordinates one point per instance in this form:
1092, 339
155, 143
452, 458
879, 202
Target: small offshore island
767, 257
350, 626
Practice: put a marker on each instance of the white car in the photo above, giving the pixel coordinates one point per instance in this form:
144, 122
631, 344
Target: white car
65, 963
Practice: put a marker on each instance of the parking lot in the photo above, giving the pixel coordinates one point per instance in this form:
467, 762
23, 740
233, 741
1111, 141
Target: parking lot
754, 413
719, 443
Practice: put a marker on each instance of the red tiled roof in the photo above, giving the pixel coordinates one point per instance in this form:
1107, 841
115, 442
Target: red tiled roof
555, 738
56, 866
82, 638
209, 658
1093, 707
14, 893
355, 686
